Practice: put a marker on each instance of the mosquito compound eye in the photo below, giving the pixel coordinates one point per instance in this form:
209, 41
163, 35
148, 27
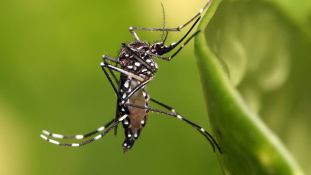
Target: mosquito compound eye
159, 49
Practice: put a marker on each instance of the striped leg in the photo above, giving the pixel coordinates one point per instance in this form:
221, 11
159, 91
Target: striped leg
103, 64
122, 99
59, 136
136, 88
86, 142
105, 57
175, 114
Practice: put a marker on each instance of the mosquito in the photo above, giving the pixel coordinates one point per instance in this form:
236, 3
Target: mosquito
137, 67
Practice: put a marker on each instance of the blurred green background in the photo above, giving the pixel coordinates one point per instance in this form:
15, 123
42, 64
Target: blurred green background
51, 79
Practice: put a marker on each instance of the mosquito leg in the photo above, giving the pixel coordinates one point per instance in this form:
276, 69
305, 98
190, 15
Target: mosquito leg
105, 57
197, 15
117, 81
175, 114
114, 87
86, 142
112, 73
173, 45
123, 100
163, 105
116, 92
207, 135
107, 75
59, 136
136, 88
134, 33
103, 64
184, 44
127, 73
177, 28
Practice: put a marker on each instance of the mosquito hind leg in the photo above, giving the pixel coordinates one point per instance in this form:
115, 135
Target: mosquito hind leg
207, 135
86, 142
59, 136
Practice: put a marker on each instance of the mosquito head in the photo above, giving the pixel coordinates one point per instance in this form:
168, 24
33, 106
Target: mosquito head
157, 48
160, 48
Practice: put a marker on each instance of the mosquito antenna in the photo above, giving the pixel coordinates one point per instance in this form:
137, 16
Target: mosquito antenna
166, 34
163, 39
164, 31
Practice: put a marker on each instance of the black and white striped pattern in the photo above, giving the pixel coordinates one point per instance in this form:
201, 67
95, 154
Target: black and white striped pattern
79, 136
59, 136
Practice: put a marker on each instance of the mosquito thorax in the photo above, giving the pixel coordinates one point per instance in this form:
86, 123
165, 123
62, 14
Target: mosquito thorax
138, 60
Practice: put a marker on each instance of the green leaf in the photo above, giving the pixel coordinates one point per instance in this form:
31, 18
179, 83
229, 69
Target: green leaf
245, 54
